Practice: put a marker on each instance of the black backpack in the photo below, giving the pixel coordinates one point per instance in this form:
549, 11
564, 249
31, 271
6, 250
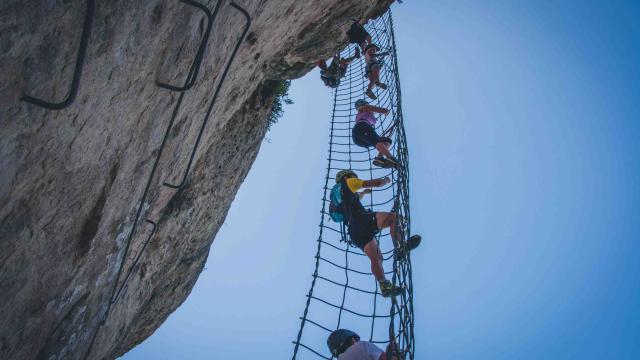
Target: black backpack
330, 81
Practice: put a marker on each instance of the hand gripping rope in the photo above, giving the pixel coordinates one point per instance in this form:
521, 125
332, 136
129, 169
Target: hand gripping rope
343, 291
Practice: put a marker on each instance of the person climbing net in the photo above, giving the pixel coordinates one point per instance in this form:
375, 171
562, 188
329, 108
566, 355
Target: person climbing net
368, 171
333, 73
364, 224
372, 71
365, 135
345, 344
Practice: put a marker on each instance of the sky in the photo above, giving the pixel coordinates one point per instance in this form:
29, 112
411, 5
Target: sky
522, 125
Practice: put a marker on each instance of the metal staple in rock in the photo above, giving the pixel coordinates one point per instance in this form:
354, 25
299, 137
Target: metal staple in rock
116, 292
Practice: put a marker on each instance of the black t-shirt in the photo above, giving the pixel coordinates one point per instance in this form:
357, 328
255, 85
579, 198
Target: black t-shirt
352, 206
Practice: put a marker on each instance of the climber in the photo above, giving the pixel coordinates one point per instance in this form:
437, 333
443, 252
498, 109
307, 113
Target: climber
364, 134
332, 74
364, 224
346, 345
372, 69
357, 34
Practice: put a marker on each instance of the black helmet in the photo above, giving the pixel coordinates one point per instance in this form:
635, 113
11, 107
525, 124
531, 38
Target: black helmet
340, 340
360, 102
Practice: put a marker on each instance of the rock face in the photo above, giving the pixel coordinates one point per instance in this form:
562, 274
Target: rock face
78, 185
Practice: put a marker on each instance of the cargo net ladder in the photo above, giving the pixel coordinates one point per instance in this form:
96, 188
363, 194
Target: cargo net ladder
344, 293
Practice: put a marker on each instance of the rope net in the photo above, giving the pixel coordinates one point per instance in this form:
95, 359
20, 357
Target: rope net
344, 292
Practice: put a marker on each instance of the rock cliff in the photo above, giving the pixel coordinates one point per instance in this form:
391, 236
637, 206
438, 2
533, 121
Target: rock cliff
82, 191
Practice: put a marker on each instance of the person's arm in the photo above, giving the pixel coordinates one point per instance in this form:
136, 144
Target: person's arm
322, 64
393, 349
373, 352
373, 108
376, 182
383, 356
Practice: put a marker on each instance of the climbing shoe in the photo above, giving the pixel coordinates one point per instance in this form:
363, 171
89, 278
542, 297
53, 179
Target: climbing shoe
406, 247
395, 163
382, 162
388, 290
413, 242
371, 95
381, 85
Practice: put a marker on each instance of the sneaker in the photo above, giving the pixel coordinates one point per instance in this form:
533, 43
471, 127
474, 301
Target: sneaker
381, 85
371, 95
388, 290
382, 162
391, 160
408, 246
413, 242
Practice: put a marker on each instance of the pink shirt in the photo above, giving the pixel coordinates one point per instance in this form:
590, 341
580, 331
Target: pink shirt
366, 117
362, 350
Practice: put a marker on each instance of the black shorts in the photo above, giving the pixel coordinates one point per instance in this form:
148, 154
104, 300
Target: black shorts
365, 135
363, 229
357, 34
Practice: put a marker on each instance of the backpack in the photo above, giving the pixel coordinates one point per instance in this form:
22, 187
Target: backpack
336, 207
338, 214
330, 81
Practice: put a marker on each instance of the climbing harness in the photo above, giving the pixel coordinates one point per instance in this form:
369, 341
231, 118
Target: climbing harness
343, 292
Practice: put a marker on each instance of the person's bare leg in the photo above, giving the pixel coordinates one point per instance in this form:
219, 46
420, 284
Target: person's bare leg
393, 229
369, 91
386, 219
372, 251
375, 70
375, 74
383, 149
371, 82
383, 356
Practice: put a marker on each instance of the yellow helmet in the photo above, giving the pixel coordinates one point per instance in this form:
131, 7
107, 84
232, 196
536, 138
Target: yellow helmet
343, 173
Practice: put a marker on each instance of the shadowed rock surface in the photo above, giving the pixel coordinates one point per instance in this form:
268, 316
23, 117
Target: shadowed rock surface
71, 181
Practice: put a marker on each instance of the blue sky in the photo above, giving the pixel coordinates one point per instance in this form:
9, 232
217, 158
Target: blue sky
522, 122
